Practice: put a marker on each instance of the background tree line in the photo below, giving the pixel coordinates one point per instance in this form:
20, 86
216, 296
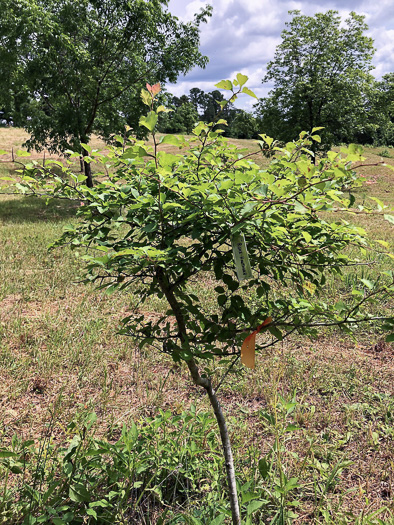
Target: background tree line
72, 69
187, 110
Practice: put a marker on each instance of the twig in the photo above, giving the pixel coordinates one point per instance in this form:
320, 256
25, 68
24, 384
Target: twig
227, 372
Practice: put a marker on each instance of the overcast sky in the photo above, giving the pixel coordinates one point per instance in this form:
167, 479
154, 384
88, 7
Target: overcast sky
242, 35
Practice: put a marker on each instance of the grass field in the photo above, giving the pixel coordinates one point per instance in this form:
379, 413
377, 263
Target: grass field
61, 359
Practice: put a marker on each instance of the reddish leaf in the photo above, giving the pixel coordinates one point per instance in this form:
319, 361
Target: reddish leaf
156, 89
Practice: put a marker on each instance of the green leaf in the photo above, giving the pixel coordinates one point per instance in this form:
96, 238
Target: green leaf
389, 218
21, 153
367, 283
383, 243
226, 184
146, 97
264, 468
291, 428
201, 126
163, 109
221, 300
267, 140
253, 506
291, 484
380, 203
224, 84
307, 236
92, 512
3, 152
316, 138
275, 332
7, 454
16, 469
299, 208
390, 338
134, 152
149, 121
78, 493
27, 443
249, 92
101, 503
167, 159
249, 496
150, 227
218, 520
86, 147
241, 79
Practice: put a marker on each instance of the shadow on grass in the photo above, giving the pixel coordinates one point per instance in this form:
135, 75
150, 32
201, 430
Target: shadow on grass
19, 209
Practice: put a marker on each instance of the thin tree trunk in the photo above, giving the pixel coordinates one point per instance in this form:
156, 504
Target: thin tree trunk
207, 385
81, 166
228, 456
226, 445
87, 170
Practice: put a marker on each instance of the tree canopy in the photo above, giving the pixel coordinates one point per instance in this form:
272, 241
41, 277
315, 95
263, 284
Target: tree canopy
321, 76
381, 113
80, 64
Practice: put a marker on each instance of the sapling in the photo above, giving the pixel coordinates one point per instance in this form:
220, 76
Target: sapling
267, 238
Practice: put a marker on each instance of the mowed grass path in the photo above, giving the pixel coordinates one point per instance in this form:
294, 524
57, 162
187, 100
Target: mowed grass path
59, 346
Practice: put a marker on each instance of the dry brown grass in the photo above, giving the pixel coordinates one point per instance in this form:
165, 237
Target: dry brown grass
58, 341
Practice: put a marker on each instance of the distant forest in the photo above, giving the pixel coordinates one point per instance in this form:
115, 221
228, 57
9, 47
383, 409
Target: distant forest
199, 105
376, 129
375, 125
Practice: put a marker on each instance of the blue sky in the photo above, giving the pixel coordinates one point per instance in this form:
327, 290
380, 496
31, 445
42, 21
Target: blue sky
242, 36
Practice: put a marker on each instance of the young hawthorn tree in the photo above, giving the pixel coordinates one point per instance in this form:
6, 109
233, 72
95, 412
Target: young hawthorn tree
321, 75
267, 237
81, 63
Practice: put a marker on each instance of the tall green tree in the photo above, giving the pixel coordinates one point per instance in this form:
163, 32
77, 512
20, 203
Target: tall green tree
197, 97
182, 120
13, 44
243, 125
381, 129
321, 75
82, 63
210, 104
